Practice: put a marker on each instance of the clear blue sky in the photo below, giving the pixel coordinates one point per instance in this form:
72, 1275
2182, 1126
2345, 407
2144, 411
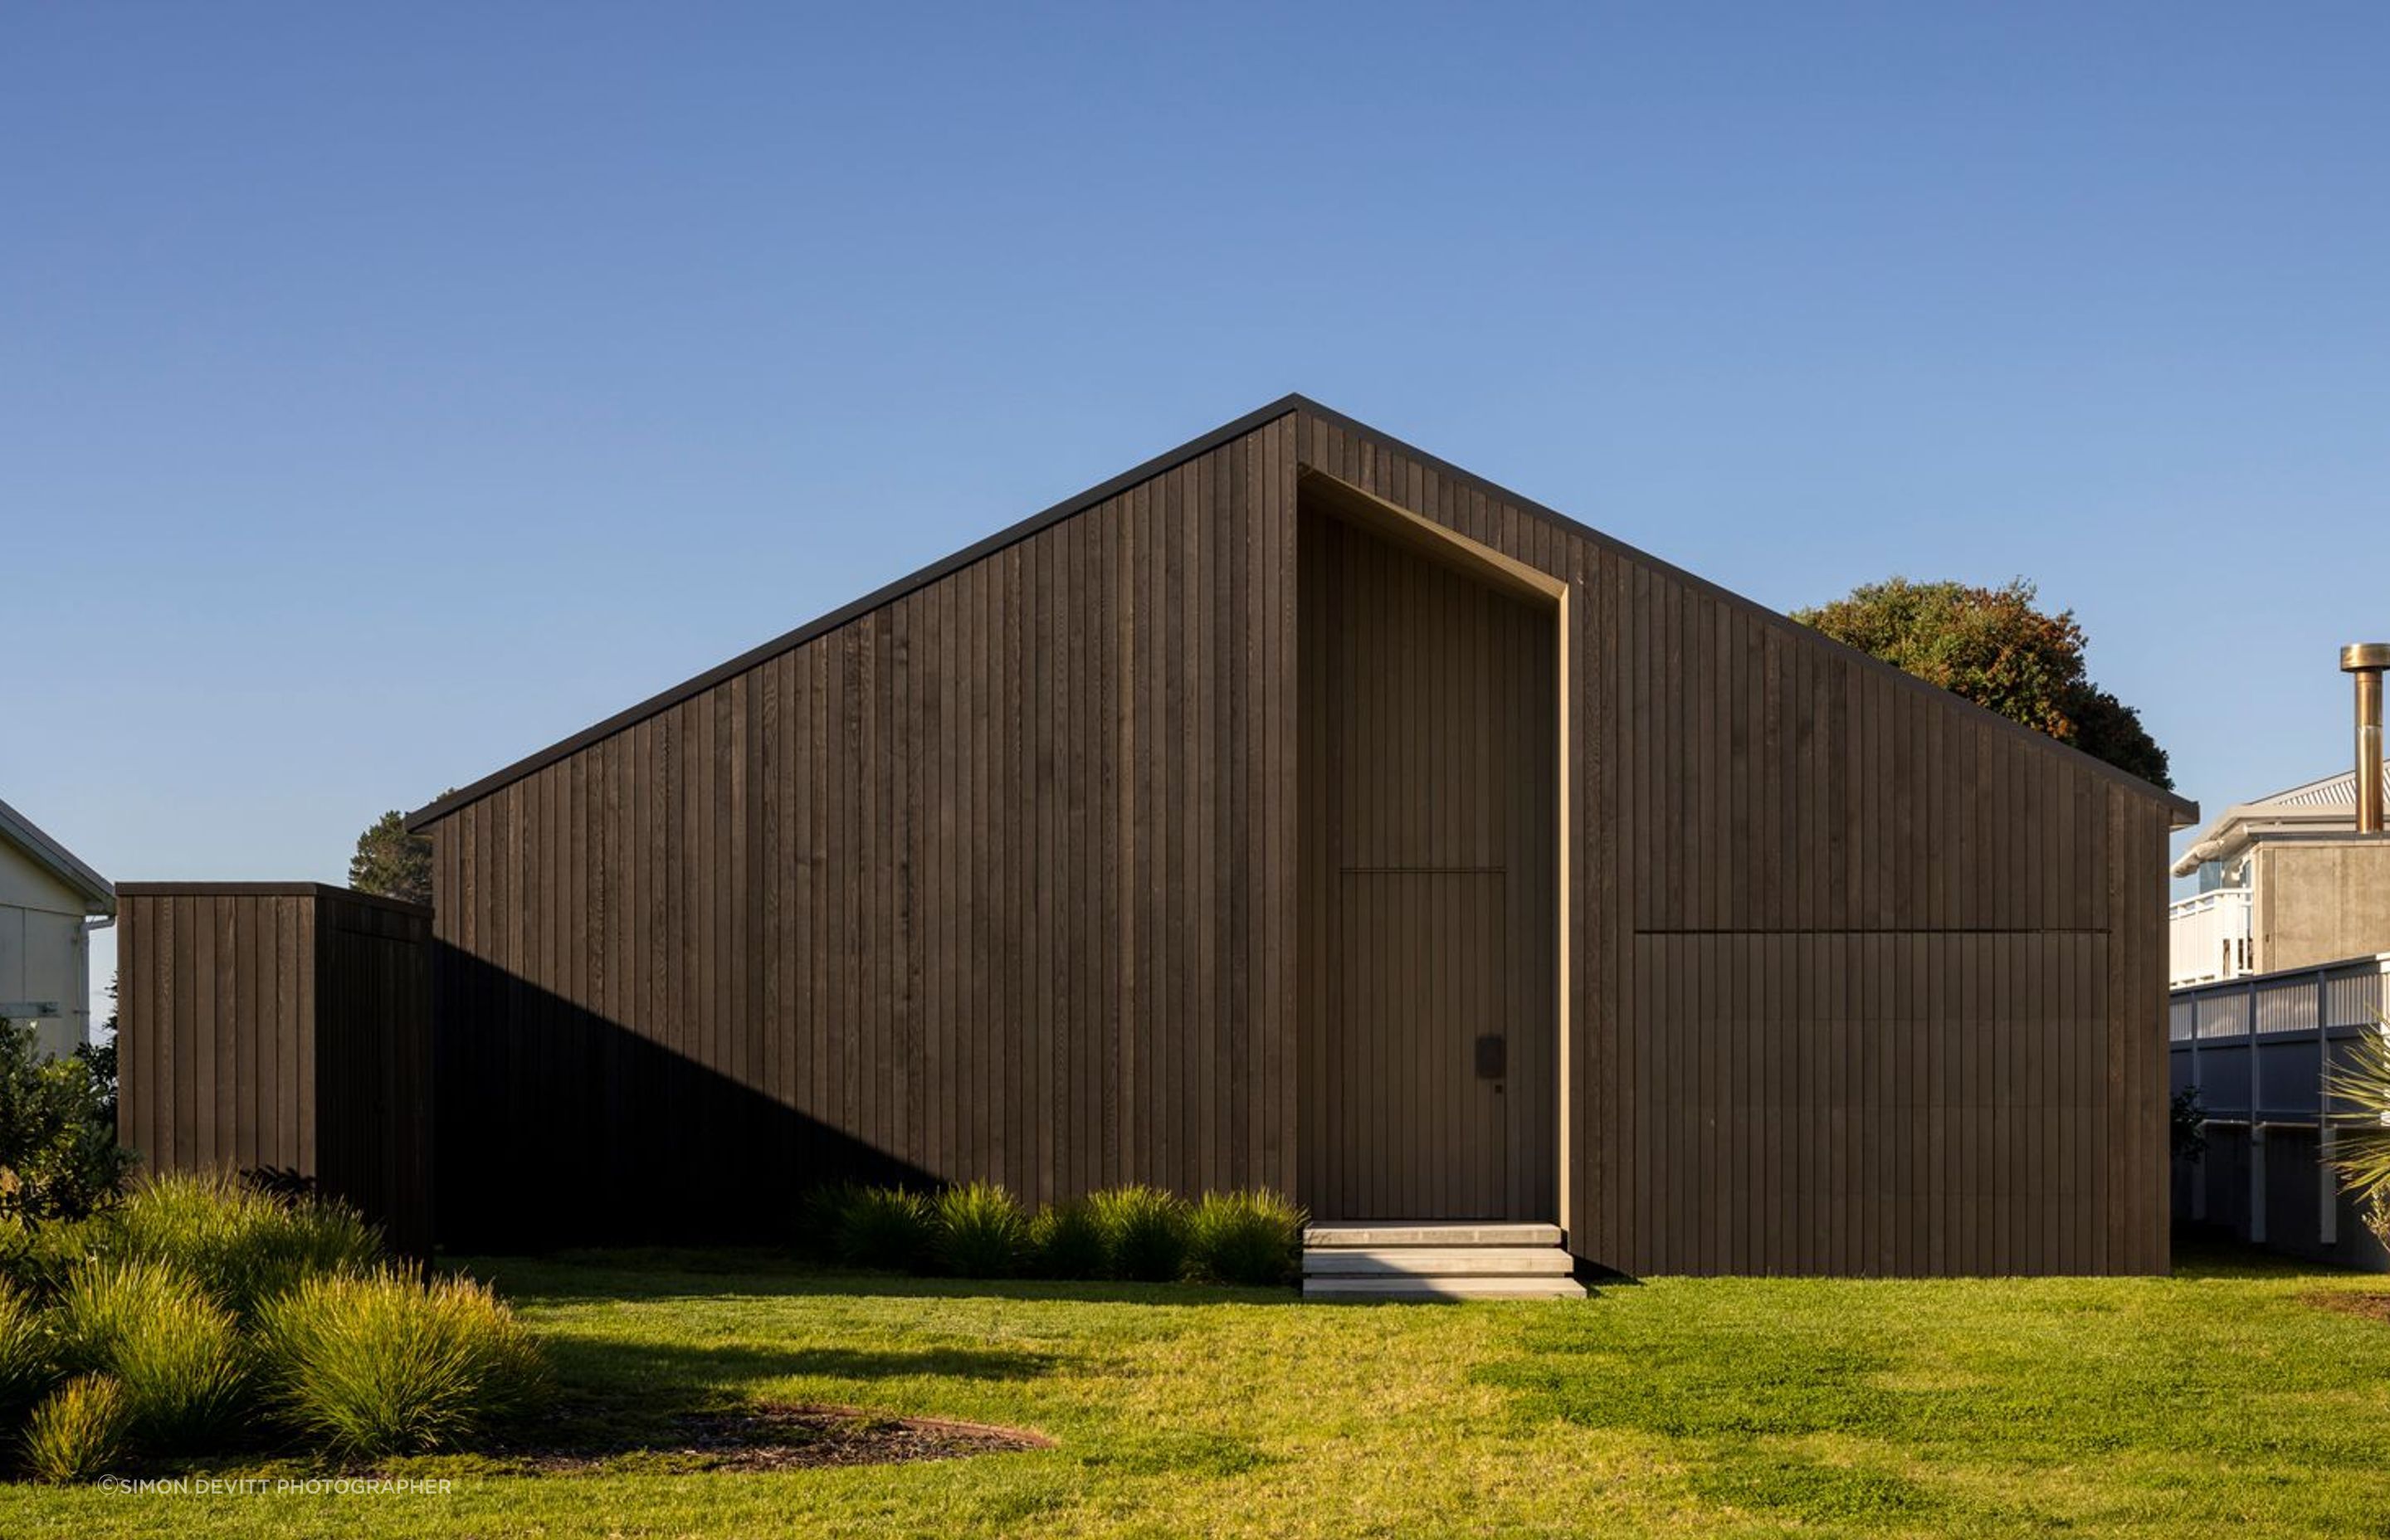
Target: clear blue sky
386, 393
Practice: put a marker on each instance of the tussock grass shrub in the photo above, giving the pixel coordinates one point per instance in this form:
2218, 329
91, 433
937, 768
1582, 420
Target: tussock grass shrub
1145, 1232
27, 1366
379, 1364
79, 1431
821, 1215
1249, 1237
242, 1245
980, 1231
888, 1228
1065, 1241
1137, 1233
175, 1355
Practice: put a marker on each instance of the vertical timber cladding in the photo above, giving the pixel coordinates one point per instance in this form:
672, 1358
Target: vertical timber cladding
995, 874
1429, 882
1860, 979
215, 1024
280, 1025
990, 877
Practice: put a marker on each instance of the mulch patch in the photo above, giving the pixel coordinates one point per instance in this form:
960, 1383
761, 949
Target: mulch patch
788, 1438
2373, 1307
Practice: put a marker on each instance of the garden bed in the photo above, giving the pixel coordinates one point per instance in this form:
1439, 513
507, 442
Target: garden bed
780, 1438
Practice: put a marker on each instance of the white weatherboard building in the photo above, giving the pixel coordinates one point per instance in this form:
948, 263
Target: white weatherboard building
50, 903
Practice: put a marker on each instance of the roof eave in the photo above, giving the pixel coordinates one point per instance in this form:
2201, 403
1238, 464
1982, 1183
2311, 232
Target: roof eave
97, 892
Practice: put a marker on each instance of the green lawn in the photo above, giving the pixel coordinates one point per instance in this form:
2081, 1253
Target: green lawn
2222, 1398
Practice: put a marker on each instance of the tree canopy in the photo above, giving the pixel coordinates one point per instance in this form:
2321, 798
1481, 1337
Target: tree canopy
392, 862
1995, 647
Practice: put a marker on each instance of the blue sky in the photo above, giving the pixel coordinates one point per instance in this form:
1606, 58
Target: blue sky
386, 393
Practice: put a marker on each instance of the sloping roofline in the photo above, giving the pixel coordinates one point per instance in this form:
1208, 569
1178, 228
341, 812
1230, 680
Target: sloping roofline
61, 862
2184, 811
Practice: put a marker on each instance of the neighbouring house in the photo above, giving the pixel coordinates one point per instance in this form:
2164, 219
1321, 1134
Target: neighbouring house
1297, 809
2287, 880
2278, 961
51, 902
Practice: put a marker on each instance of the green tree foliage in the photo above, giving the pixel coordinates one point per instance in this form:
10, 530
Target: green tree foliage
392, 862
1994, 648
59, 1155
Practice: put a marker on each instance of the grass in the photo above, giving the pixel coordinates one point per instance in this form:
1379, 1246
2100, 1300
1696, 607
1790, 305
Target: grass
1145, 1232
979, 1231
174, 1353
1254, 1237
26, 1355
2222, 1399
379, 1364
244, 1246
79, 1431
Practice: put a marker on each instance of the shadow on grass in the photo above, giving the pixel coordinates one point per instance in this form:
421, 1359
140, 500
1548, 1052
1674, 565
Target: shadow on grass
661, 1272
698, 1370
2209, 1256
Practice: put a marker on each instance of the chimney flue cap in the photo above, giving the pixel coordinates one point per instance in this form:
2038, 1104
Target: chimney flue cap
2360, 657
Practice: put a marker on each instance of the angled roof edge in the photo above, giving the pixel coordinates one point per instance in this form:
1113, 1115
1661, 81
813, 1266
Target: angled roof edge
270, 890
2184, 810
1014, 535
62, 862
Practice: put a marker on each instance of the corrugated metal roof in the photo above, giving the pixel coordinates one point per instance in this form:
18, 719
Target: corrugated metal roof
2331, 791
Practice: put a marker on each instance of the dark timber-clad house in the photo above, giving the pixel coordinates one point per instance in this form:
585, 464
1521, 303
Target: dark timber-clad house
1299, 810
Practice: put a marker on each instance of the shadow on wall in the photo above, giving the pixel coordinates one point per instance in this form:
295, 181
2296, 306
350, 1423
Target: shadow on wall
557, 1126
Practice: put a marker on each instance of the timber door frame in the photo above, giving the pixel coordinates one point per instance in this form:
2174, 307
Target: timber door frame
1391, 521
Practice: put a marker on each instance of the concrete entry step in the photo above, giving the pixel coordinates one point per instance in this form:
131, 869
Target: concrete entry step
1436, 1261
1419, 1260
1379, 1233
1546, 1287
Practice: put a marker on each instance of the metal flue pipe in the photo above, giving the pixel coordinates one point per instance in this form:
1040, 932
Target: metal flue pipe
2365, 661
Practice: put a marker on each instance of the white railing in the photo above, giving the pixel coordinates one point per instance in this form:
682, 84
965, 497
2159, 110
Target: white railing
2207, 936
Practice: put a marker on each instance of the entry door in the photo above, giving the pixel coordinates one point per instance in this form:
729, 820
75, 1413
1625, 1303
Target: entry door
1424, 1044
1429, 887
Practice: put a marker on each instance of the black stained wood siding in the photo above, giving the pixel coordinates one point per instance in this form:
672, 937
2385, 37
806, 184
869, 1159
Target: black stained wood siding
280, 1025
1863, 980
994, 880
1427, 763
996, 875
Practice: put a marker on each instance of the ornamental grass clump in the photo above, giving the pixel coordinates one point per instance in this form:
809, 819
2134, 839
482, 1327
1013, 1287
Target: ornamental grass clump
1244, 1237
380, 1364
78, 1432
1065, 1241
27, 1365
889, 1230
1145, 1233
243, 1246
979, 1231
175, 1355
